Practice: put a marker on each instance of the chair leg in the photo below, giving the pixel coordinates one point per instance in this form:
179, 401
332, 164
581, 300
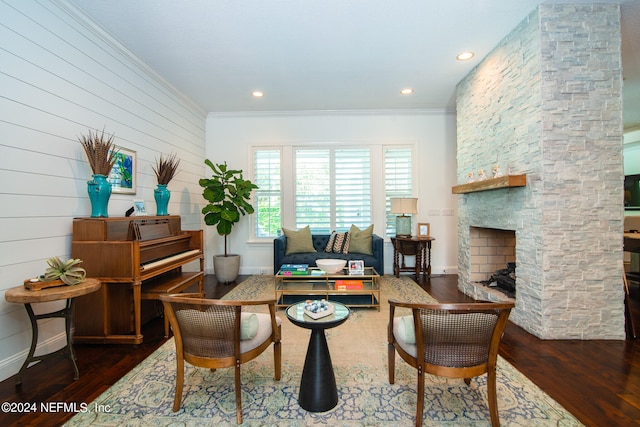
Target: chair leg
277, 357
179, 382
166, 326
391, 363
492, 396
238, 394
420, 401
467, 381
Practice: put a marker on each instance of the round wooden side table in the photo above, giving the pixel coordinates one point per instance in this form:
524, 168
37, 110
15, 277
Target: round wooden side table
20, 294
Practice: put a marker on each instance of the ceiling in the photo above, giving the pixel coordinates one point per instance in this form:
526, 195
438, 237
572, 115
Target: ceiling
328, 54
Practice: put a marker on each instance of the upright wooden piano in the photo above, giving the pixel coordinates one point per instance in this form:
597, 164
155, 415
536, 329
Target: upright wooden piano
137, 259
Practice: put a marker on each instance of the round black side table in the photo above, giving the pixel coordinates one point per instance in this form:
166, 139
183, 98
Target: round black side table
318, 390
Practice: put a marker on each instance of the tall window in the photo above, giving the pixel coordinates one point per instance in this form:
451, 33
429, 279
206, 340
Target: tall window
398, 180
353, 188
267, 196
313, 189
328, 188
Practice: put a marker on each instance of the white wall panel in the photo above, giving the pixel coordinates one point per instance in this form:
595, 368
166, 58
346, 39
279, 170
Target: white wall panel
60, 75
230, 137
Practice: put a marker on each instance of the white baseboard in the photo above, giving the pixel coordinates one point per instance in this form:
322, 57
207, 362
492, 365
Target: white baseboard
11, 365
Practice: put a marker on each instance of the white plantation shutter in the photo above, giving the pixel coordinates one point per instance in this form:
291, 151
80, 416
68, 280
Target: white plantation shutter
352, 188
313, 189
398, 180
267, 197
331, 187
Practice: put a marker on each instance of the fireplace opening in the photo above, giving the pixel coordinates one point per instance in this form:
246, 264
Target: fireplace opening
493, 262
503, 280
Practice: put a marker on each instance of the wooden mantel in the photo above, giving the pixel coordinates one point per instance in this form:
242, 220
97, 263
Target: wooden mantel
491, 184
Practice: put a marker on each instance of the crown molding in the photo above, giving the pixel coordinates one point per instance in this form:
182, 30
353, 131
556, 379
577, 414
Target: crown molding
303, 113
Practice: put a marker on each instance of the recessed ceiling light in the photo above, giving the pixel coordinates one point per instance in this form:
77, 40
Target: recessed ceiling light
257, 94
406, 91
464, 56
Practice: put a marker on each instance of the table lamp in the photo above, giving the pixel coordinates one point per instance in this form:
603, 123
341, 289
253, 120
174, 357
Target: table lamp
404, 206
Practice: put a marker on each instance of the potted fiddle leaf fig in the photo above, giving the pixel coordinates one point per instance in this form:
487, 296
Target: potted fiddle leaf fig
228, 195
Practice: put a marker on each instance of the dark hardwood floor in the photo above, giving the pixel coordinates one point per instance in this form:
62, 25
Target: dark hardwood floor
597, 381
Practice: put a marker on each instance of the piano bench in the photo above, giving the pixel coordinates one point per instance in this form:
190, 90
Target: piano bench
171, 283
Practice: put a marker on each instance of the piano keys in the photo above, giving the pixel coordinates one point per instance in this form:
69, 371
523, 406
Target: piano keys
137, 259
169, 260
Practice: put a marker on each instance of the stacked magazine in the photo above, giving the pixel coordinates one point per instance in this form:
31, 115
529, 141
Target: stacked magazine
294, 269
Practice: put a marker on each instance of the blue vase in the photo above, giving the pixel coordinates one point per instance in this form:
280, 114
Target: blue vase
99, 192
162, 195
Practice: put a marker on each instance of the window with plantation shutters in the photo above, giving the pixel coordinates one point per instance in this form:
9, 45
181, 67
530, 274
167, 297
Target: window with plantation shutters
352, 188
333, 188
268, 201
313, 189
398, 177
328, 187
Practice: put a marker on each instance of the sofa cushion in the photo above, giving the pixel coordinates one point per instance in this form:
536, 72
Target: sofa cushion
361, 240
338, 243
298, 242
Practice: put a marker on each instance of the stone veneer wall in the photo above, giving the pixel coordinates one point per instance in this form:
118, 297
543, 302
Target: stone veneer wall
547, 102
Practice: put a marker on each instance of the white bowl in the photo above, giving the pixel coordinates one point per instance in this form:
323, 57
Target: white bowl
331, 266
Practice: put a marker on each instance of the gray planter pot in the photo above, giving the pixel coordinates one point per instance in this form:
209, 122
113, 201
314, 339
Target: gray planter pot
226, 268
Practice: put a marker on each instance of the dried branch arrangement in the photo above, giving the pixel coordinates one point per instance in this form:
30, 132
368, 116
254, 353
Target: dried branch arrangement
166, 168
101, 151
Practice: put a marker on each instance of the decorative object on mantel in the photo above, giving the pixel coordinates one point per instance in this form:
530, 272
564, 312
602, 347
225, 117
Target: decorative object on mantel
404, 206
497, 172
101, 153
471, 177
58, 274
481, 175
506, 181
165, 169
228, 194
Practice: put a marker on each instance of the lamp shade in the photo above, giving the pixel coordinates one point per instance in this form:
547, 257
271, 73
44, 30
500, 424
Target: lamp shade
404, 205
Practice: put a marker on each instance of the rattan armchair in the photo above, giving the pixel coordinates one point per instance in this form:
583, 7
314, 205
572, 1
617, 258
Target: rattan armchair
208, 334
452, 340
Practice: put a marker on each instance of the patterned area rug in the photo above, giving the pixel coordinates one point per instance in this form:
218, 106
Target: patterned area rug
359, 354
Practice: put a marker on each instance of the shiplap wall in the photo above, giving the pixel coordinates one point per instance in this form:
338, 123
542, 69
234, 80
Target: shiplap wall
60, 76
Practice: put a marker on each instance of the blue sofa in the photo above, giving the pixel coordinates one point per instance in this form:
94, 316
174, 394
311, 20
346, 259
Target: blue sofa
319, 243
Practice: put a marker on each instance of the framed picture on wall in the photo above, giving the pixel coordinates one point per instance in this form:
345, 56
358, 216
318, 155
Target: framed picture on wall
123, 174
424, 229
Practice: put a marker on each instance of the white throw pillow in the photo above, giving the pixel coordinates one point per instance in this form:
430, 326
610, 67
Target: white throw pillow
248, 325
407, 330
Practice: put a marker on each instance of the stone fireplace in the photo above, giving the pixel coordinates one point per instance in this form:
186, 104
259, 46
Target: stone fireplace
547, 103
